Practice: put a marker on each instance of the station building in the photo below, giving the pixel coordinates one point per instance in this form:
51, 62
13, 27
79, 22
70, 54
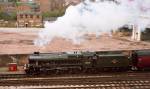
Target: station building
29, 19
28, 14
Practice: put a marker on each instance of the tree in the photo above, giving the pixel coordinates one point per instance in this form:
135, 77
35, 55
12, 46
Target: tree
8, 16
54, 13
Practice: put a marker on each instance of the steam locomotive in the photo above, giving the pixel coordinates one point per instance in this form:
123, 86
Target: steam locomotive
77, 62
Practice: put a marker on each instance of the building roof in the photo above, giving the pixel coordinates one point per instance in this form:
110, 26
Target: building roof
31, 4
29, 12
33, 8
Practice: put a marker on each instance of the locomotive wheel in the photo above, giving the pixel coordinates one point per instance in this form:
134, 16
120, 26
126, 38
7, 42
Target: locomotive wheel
126, 68
94, 71
90, 70
62, 71
134, 68
57, 71
71, 71
51, 72
86, 70
45, 72
76, 71
106, 69
140, 69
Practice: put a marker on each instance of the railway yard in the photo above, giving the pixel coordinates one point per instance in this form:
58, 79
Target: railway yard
97, 44
117, 80
20, 42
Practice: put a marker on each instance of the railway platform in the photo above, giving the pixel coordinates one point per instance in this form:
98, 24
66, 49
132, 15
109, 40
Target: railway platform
5, 70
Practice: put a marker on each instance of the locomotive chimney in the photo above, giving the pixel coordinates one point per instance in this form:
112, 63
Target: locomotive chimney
37, 53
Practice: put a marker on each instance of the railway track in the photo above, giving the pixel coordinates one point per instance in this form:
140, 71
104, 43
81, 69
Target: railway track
129, 80
79, 87
102, 74
93, 85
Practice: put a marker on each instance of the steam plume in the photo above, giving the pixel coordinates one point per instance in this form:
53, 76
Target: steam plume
95, 17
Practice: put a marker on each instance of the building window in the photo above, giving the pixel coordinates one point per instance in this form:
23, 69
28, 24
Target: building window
21, 16
31, 16
38, 16
26, 16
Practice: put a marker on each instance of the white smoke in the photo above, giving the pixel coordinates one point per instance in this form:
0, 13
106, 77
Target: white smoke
94, 17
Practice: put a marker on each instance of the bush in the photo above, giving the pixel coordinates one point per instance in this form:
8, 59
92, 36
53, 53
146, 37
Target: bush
145, 35
54, 13
8, 16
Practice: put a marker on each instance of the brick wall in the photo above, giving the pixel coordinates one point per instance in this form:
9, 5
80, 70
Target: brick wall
50, 5
72, 2
28, 14
44, 5
7, 7
29, 20
23, 8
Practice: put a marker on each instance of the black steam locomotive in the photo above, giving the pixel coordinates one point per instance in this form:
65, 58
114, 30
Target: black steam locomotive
75, 62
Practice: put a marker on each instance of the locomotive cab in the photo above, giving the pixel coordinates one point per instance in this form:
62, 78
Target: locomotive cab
134, 59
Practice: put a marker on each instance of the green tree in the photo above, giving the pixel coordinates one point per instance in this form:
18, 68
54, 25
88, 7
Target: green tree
8, 16
54, 13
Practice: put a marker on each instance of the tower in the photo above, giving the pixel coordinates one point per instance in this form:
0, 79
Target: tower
136, 33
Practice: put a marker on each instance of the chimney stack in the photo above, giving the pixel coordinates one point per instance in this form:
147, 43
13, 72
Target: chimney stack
136, 33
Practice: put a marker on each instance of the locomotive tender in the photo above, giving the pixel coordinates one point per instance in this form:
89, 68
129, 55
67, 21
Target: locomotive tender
74, 62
